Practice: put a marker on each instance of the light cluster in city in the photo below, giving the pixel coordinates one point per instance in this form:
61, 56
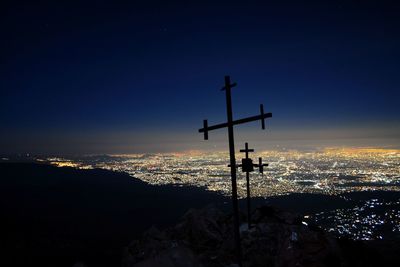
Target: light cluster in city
367, 220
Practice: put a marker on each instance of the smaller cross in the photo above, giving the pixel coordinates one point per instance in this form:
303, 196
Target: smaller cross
247, 167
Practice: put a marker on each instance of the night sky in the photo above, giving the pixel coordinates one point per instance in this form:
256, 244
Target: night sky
109, 77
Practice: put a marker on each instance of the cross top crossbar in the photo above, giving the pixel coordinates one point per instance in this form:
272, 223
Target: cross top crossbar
246, 149
228, 85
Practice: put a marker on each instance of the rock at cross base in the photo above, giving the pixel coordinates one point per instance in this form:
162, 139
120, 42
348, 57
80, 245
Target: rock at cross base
205, 238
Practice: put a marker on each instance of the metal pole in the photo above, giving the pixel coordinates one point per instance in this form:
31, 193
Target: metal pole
233, 169
248, 200
247, 150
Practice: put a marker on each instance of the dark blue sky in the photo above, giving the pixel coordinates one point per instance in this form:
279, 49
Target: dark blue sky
108, 77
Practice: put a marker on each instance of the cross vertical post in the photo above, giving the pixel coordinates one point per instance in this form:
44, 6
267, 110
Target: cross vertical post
229, 124
248, 200
235, 204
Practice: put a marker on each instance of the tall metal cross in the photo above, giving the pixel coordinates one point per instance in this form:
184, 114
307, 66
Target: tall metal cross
229, 124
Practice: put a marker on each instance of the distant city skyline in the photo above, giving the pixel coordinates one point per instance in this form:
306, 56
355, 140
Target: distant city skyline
98, 77
112, 144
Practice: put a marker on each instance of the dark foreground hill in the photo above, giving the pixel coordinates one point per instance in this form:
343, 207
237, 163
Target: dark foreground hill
59, 216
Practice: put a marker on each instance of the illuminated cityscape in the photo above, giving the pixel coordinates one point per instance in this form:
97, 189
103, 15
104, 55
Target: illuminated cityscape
329, 171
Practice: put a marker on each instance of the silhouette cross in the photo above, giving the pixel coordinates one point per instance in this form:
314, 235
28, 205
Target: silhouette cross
229, 124
247, 166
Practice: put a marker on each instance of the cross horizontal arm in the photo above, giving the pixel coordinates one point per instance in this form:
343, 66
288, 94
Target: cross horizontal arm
258, 165
240, 121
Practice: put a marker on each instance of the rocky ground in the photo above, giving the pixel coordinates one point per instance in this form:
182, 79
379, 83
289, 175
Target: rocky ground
277, 238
